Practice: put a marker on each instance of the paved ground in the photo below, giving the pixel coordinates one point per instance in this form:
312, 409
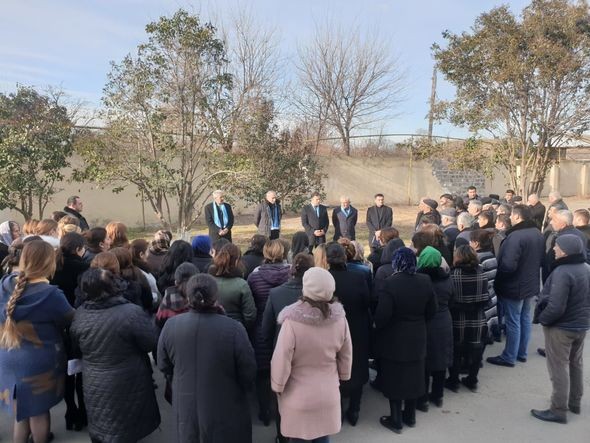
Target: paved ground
499, 412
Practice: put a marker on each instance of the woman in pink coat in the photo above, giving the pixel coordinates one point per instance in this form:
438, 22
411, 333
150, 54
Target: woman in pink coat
306, 377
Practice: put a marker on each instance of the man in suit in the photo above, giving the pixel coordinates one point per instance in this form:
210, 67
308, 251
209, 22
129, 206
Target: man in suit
344, 219
315, 221
379, 216
219, 217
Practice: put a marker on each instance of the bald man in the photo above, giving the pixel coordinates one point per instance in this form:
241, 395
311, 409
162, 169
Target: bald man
344, 219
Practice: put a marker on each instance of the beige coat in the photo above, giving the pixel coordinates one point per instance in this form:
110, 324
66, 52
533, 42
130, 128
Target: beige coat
311, 356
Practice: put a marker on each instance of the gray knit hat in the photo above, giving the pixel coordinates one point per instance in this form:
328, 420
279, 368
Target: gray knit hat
570, 244
318, 284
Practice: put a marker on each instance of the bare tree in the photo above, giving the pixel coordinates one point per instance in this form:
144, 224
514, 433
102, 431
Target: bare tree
255, 64
347, 80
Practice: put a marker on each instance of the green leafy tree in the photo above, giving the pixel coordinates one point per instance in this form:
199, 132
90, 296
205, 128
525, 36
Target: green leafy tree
35, 146
271, 159
167, 109
523, 80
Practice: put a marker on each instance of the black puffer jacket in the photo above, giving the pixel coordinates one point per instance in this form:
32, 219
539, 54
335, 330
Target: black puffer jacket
114, 337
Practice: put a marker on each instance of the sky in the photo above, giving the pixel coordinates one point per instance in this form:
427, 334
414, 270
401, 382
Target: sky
70, 44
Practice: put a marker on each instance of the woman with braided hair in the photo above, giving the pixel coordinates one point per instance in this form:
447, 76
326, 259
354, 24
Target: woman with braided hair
32, 359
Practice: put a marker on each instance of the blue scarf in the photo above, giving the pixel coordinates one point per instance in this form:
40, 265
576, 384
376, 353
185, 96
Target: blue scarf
216, 215
345, 211
274, 216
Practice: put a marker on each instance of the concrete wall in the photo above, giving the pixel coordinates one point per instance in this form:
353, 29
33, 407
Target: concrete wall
401, 180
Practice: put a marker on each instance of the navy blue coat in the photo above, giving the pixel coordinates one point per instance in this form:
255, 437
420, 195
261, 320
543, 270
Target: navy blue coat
520, 259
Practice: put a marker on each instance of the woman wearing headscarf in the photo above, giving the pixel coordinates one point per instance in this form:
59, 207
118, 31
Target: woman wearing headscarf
406, 303
299, 243
9, 232
470, 289
307, 375
439, 344
211, 363
114, 337
157, 251
202, 252
353, 292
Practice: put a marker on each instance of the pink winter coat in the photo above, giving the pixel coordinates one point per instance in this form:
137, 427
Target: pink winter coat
311, 356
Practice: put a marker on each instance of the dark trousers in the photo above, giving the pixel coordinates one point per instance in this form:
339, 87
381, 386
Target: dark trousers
73, 388
325, 439
355, 395
470, 358
438, 383
263, 391
274, 234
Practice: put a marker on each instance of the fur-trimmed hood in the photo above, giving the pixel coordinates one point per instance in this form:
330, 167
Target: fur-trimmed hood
302, 312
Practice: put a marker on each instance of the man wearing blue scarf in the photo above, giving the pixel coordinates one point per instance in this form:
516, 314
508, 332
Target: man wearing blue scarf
267, 217
344, 220
219, 217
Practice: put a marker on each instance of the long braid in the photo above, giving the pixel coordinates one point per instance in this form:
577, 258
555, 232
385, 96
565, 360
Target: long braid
10, 337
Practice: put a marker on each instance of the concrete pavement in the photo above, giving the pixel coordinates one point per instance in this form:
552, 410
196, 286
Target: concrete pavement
498, 412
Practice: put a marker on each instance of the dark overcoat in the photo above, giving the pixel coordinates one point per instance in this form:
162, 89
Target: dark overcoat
212, 366
114, 337
344, 226
439, 346
406, 303
377, 219
519, 262
213, 228
353, 293
311, 222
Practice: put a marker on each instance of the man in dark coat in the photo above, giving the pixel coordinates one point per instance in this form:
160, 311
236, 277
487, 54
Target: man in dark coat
344, 219
561, 224
537, 209
74, 206
564, 311
517, 281
582, 223
219, 217
267, 217
428, 212
448, 223
471, 195
379, 216
315, 221
556, 203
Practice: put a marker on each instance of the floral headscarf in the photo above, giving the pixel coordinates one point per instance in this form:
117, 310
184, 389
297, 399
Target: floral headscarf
404, 260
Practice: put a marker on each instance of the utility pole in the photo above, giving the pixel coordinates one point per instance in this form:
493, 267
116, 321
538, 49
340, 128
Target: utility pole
432, 104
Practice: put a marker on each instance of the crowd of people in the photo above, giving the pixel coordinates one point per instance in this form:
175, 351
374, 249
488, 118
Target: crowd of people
298, 324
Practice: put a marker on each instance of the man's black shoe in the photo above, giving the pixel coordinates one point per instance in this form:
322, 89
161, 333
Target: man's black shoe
541, 352
548, 415
521, 359
499, 361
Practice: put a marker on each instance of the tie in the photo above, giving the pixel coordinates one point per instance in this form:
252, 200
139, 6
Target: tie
317, 211
221, 220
